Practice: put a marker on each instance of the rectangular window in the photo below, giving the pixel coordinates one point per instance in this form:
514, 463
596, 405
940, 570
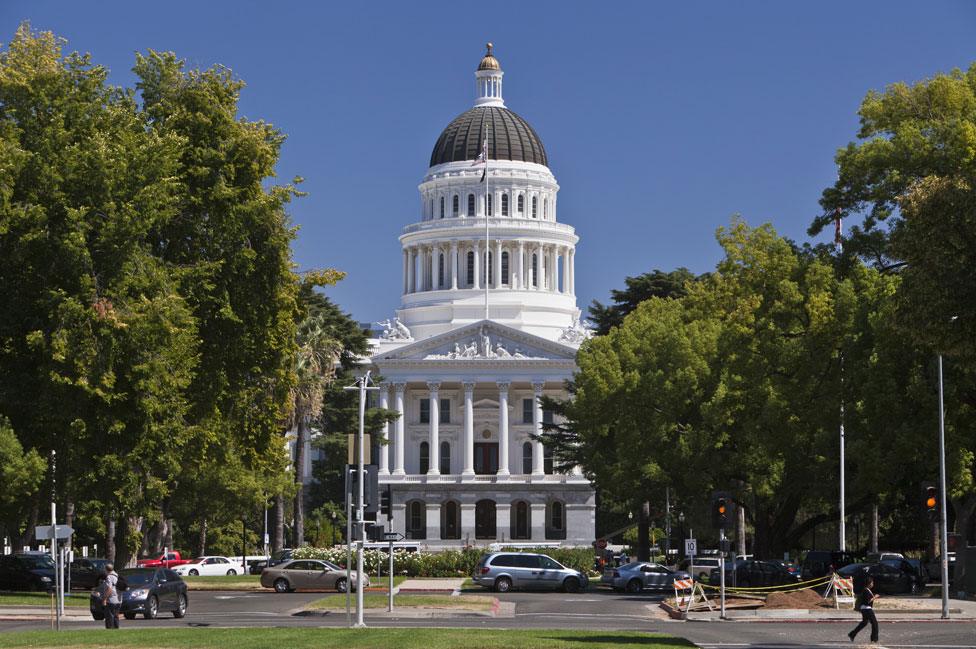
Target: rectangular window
440, 270
547, 416
445, 411
470, 204
455, 205
485, 458
425, 411
527, 410
504, 268
490, 206
521, 204
504, 204
470, 269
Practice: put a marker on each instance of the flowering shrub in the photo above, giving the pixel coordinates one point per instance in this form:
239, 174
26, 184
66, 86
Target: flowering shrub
449, 563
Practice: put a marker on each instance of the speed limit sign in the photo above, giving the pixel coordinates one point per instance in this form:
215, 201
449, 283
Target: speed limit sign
691, 547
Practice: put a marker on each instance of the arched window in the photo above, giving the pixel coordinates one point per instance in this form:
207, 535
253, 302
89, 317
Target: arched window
446, 458
505, 267
470, 268
521, 521
555, 520
521, 204
535, 269
416, 520
424, 457
470, 204
504, 204
450, 520
545, 208
457, 202
535, 206
442, 207
490, 206
440, 270
527, 458
489, 267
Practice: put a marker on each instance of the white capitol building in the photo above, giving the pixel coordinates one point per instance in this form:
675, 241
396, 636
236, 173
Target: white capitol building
466, 371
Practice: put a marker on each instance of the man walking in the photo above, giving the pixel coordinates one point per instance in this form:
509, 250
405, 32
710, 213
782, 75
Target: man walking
111, 599
864, 603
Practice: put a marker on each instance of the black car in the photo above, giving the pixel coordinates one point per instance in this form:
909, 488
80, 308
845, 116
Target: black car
280, 556
913, 567
752, 573
820, 563
256, 566
150, 591
87, 572
26, 572
887, 579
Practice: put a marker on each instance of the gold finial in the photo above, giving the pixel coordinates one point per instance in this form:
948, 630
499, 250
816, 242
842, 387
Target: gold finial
489, 62
490, 45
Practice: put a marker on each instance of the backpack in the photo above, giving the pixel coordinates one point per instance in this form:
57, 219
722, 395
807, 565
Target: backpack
121, 584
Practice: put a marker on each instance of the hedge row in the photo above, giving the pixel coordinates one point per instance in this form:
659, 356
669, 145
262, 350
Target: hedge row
449, 563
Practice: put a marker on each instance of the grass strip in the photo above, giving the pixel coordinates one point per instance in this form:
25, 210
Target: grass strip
39, 599
376, 600
333, 638
253, 582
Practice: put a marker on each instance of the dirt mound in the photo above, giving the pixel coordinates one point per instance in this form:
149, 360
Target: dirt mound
806, 598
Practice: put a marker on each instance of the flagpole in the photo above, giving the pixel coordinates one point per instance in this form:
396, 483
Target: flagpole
487, 244
842, 523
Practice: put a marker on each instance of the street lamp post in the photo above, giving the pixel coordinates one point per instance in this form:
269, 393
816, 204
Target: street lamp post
943, 519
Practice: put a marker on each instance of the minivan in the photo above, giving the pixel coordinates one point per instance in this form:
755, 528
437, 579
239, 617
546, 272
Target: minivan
504, 571
820, 563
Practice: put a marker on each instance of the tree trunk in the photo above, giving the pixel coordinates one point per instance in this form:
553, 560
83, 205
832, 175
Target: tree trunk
278, 539
964, 508
643, 532
934, 546
740, 529
300, 441
202, 541
21, 540
110, 539
874, 527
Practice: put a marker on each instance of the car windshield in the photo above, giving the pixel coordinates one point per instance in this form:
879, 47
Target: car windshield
39, 561
331, 566
850, 569
280, 555
136, 577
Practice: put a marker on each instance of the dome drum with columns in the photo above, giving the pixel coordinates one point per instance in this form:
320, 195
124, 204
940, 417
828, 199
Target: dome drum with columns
461, 460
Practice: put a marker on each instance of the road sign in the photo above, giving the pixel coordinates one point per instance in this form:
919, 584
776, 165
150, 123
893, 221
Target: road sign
43, 532
392, 536
601, 544
691, 547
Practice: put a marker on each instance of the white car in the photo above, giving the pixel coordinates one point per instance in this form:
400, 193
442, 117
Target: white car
210, 566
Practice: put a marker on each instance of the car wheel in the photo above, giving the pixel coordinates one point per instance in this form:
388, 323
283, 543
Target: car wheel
152, 608
340, 585
503, 584
194, 573
180, 607
129, 616
571, 585
634, 586
281, 585
231, 572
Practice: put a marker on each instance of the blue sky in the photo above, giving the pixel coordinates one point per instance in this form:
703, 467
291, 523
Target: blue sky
661, 120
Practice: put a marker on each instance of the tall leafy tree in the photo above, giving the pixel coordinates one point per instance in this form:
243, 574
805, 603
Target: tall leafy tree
656, 283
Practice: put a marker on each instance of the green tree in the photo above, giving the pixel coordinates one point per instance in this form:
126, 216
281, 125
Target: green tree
643, 287
22, 473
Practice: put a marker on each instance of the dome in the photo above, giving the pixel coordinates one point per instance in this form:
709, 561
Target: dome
509, 138
489, 62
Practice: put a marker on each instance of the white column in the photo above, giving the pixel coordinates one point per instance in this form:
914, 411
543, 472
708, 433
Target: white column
433, 521
537, 522
538, 467
572, 271
454, 265
521, 266
385, 431
477, 265
503, 427
467, 522
410, 271
433, 267
565, 256
498, 265
435, 431
398, 389
541, 265
468, 429
406, 267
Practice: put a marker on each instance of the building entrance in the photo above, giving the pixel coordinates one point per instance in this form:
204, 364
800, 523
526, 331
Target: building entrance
486, 458
484, 519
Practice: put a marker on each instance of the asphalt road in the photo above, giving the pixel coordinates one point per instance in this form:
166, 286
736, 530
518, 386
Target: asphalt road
593, 610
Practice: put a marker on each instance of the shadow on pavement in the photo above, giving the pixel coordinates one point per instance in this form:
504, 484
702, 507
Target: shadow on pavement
620, 640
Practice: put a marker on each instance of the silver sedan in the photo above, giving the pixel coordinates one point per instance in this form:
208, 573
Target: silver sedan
310, 574
642, 575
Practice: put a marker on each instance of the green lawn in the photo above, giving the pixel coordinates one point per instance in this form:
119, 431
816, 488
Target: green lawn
253, 582
379, 600
39, 599
332, 638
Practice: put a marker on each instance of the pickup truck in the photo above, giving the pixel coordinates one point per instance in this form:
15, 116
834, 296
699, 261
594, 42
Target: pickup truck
165, 560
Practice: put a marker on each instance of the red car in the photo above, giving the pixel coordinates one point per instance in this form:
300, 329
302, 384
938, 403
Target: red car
165, 560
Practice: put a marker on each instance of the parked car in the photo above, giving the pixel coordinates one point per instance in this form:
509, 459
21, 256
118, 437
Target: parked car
255, 567
280, 556
165, 560
311, 574
790, 566
750, 574
26, 572
820, 563
700, 567
913, 567
642, 575
504, 571
934, 567
209, 566
887, 579
86, 572
879, 557
150, 591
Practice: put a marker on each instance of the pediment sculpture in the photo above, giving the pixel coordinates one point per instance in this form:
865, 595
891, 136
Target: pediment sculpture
393, 329
481, 348
576, 332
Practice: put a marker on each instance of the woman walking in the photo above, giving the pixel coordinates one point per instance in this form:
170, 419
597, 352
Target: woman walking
864, 603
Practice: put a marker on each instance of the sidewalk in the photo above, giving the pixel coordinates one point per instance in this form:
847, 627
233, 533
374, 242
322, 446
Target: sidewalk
959, 610
71, 614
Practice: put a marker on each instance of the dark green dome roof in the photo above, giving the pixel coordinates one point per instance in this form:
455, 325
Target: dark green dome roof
509, 138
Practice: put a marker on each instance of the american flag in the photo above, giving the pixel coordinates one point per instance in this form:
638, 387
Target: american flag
482, 159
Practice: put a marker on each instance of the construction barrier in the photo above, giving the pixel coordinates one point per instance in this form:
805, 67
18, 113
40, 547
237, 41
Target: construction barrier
841, 589
782, 588
683, 585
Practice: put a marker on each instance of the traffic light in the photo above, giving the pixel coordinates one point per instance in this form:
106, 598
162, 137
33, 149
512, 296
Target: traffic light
721, 510
386, 502
930, 498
